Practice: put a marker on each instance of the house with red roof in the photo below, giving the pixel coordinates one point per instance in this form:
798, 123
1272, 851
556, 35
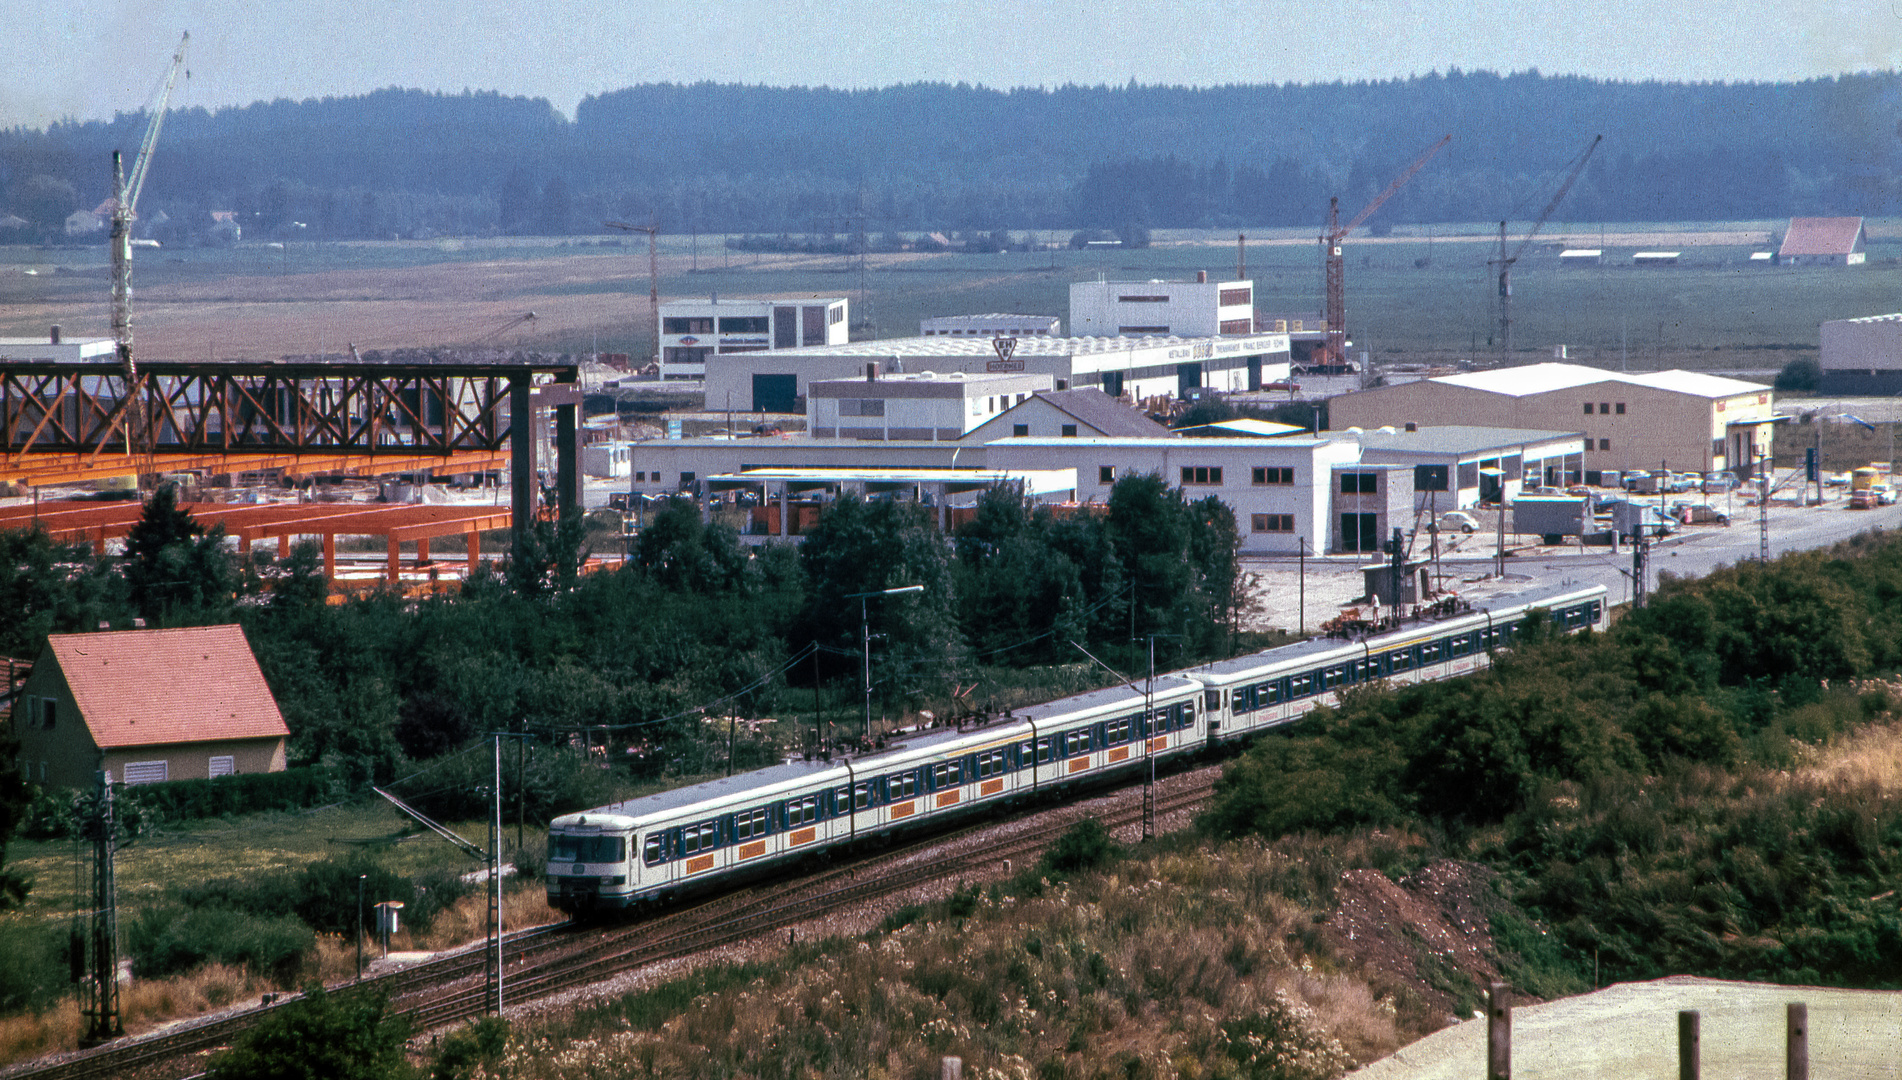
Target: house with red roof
1823, 241
147, 706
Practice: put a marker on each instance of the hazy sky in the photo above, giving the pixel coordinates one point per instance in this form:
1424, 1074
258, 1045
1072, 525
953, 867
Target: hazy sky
85, 59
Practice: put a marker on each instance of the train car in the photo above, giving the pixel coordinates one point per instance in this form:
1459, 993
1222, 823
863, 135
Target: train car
714, 834
1278, 686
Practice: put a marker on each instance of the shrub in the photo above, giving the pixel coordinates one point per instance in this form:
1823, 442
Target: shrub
1084, 846
323, 894
320, 1036
168, 940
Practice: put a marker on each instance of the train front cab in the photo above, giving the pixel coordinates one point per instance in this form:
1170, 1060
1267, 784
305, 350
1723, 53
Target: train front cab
590, 864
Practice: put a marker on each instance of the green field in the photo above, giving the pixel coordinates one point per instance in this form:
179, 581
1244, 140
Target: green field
1714, 310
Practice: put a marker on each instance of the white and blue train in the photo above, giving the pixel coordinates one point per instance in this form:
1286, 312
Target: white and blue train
711, 835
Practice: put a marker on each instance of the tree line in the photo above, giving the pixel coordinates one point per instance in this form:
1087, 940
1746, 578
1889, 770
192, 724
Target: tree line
929, 156
693, 626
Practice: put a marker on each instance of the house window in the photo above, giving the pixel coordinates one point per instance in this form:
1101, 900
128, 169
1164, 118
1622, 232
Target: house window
1020, 430
1201, 474
1359, 483
224, 765
861, 406
1619, 408
1236, 326
1604, 408
146, 772
1233, 297
1138, 331
1068, 431
49, 713
1604, 444
1275, 523
1274, 474
1588, 408
1106, 474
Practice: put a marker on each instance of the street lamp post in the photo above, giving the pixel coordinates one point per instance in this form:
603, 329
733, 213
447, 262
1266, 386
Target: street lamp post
865, 640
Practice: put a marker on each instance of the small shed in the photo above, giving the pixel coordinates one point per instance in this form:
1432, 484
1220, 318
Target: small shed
1582, 257
1655, 258
147, 706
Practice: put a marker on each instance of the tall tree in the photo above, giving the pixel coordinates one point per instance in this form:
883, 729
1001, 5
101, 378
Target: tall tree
177, 571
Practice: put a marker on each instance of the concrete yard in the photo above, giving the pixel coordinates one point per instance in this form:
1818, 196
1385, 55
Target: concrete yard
1629, 1032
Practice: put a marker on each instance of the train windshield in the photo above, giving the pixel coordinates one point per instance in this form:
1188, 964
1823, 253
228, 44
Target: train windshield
597, 849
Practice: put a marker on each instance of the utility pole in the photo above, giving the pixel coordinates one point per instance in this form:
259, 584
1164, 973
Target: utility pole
1763, 508
1149, 722
99, 997
495, 884
865, 641
1301, 628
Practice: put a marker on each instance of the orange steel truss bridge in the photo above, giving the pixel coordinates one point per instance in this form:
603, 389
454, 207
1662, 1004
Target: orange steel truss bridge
64, 422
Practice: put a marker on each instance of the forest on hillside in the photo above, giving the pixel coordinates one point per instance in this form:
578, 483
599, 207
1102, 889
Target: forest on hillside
928, 156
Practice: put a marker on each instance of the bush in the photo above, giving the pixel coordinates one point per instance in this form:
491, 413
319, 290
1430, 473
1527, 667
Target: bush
320, 1036
555, 780
53, 815
1084, 846
168, 940
1803, 373
323, 894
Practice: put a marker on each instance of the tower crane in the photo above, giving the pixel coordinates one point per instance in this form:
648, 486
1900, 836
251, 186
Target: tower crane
1505, 261
1331, 256
653, 272
125, 202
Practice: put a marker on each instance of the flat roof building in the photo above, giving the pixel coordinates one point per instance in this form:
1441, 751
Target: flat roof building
1862, 356
1136, 367
692, 330
991, 326
1158, 308
1460, 466
923, 406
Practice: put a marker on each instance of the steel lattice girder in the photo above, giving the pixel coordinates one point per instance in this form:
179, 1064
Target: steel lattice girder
281, 408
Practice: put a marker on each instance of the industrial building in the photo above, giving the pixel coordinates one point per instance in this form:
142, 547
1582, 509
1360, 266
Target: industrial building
1684, 420
1157, 308
991, 326
1458, 467
924, 406
1137, 367
1821, 241
692, 330
1862, 356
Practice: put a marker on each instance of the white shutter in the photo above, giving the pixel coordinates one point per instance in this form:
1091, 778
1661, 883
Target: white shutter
223, 765
146, 772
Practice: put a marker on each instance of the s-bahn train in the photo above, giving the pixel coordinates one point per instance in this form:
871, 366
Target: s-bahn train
712, 835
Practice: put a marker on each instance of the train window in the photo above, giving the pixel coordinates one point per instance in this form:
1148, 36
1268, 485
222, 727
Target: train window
1462, 644
841, 801
1076, 742
1401, 659
1211, 700
862, 796
1333, 677
947, 774
1165, 719
655, 851
697, 838
802, 811
595, 849
1430, 652
990, 763
1300, 685
1268, 693
901, 786
749, 823
1043, 750
1118, 731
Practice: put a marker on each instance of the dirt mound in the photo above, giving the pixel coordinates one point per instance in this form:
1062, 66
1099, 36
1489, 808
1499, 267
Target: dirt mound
1427, 939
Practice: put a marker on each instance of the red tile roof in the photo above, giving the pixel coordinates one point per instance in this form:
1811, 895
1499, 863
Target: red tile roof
1822, 236
153, 687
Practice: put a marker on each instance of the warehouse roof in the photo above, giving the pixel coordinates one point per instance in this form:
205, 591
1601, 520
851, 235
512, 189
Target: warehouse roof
1457, 439
1104, 413
159, 687
1545, 378
941, 345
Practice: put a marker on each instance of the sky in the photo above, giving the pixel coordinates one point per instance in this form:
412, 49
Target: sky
87, 59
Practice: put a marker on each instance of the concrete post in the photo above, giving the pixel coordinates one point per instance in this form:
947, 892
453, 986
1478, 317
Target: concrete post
1797, 1055
568, 447
1687, 1045
1498, 1033
522, 493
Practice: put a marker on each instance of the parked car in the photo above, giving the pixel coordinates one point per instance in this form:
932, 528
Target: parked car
1458, 521
1716, 483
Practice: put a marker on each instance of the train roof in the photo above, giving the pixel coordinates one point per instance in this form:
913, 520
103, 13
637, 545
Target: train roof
1320, 647
900, 749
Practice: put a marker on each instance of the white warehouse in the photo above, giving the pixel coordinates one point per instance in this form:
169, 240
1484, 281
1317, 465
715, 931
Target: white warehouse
692, 330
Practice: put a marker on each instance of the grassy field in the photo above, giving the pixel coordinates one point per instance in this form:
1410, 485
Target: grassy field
1714, 310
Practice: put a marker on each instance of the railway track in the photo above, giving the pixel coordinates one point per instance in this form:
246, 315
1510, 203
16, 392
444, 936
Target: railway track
549, 959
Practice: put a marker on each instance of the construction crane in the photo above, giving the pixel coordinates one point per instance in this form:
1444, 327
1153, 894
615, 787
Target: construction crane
125, 202
653, 272
1505, 261
1331, 255
504, 328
